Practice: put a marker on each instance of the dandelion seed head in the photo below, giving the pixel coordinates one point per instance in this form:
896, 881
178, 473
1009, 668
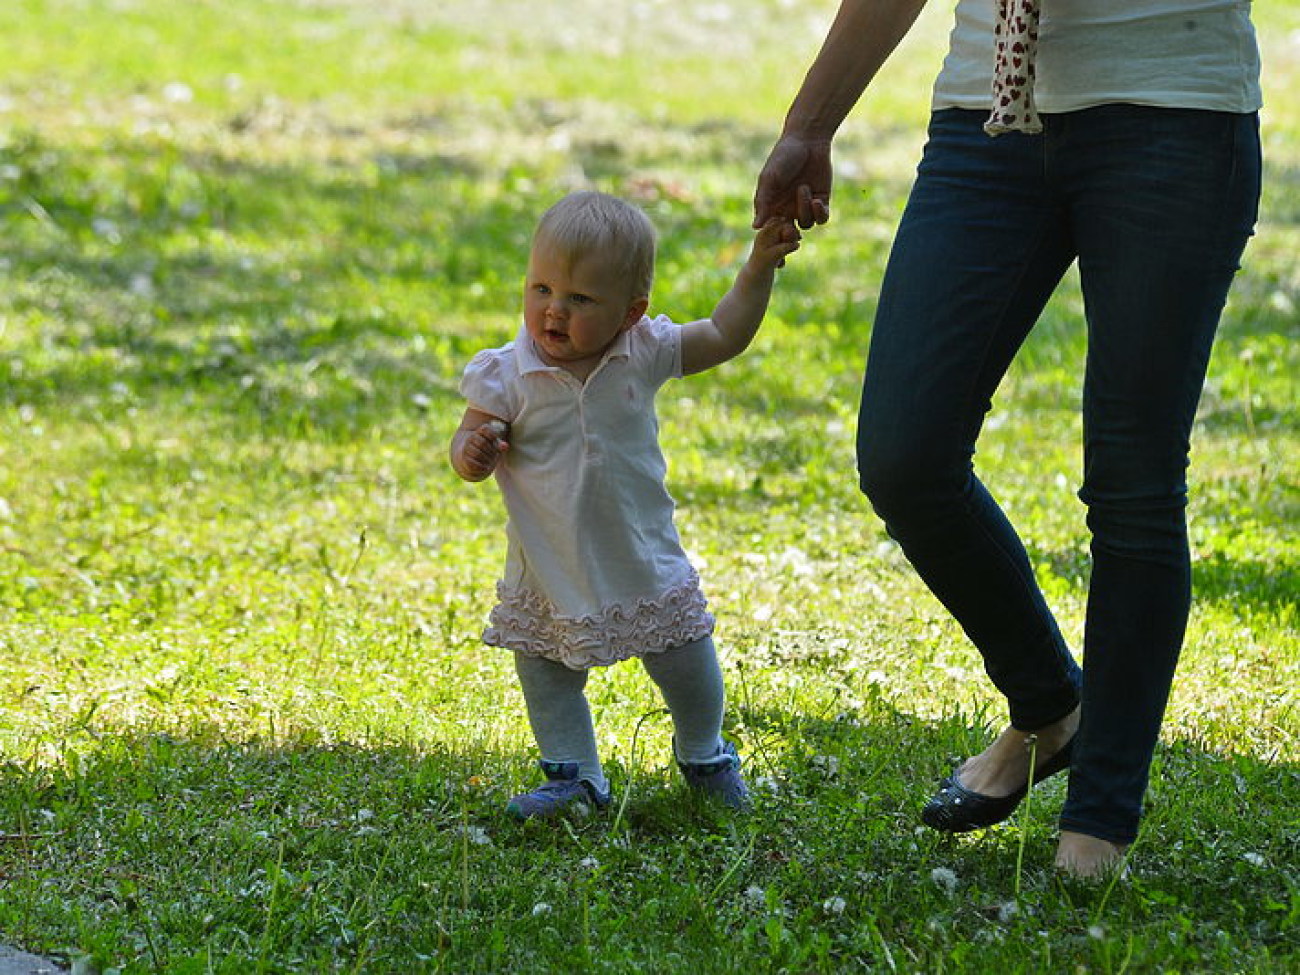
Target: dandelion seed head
944, 878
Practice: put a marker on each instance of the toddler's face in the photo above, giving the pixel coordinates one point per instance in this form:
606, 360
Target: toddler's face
575, 308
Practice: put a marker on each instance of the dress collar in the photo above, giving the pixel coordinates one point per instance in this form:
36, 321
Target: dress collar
530, 360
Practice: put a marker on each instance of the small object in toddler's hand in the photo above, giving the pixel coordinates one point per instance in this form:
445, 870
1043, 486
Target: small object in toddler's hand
499, 430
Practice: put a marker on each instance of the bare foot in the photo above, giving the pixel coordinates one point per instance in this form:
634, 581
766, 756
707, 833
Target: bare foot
1084, 857
1003, 767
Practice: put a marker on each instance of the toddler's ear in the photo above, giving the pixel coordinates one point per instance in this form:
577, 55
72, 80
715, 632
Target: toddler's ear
635, 312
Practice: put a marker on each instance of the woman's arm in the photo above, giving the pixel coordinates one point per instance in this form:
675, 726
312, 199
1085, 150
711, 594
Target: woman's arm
795, 182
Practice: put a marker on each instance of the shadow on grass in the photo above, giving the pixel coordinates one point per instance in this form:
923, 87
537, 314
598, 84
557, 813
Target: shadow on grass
317, 287
174, 852
1253, 584
337, 292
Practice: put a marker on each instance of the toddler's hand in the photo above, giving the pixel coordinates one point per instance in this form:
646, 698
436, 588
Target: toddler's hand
775, 241
482, 449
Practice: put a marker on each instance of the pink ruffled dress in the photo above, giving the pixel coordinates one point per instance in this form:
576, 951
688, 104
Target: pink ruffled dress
595, 571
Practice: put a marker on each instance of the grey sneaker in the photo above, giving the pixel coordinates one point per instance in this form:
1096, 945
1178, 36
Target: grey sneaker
719, 779
561, 791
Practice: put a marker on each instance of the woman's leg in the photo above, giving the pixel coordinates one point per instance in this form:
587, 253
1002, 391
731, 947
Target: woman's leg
1163, 202
982, 245
690, 681
560, 716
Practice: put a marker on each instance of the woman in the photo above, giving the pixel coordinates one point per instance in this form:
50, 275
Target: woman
1126, 139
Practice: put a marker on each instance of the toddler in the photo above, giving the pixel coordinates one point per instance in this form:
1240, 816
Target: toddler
595, 573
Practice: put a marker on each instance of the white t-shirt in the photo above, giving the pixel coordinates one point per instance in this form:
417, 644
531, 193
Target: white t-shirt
595, 572
1198, 54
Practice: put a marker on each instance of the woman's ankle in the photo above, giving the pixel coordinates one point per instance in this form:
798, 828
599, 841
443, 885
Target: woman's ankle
1056, 735
1003, 766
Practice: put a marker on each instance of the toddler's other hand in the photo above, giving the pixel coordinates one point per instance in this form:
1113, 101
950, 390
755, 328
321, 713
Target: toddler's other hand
483, 448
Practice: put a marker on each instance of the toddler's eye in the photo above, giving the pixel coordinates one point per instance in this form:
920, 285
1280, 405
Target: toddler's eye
582, 299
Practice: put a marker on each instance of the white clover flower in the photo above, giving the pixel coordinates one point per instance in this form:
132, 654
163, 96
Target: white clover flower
107, 229
1007, 910
756, 895
833, 905
1097, 933
589, 863
1254, 859
540, 908
827, 765
178, 92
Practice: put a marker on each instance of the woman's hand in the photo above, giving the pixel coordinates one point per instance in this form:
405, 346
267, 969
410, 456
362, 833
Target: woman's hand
795, 183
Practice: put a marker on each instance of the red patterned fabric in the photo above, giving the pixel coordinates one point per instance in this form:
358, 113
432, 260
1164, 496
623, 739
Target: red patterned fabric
1016, 42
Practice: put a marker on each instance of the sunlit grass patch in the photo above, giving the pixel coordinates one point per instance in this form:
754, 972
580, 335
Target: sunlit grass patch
246, 721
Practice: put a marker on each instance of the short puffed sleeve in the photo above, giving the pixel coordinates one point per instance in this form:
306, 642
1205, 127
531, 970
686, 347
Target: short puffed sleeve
489, 383
657, 347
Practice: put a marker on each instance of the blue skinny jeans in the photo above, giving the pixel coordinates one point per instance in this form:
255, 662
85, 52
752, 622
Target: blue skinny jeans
1156, 205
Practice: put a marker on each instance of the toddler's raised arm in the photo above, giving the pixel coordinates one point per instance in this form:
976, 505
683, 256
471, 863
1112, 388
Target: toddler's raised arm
735, 320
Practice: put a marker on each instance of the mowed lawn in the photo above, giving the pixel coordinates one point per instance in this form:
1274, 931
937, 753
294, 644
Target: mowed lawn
246, 721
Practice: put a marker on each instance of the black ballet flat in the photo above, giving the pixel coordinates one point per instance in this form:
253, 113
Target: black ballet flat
955, 809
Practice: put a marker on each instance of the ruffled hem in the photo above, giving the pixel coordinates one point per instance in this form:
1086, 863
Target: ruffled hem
527, 622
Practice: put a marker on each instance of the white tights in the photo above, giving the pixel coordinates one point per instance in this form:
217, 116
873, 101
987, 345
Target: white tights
688, 677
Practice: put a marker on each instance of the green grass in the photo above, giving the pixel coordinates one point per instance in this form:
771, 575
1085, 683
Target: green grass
246, 722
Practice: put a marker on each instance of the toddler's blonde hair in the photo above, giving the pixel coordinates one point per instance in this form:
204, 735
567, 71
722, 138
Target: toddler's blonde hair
589, 222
